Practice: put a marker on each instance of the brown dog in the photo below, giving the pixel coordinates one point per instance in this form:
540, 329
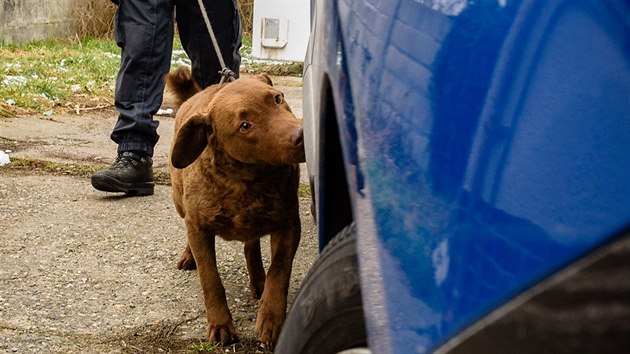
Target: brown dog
234, 172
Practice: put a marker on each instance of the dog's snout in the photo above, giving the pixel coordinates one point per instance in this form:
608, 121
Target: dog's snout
297, 138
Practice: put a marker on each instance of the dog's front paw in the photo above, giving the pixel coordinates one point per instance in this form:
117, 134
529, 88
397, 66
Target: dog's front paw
187, 262
222, 333
268, 324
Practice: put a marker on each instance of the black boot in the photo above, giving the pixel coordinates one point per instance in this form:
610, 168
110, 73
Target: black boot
131, 173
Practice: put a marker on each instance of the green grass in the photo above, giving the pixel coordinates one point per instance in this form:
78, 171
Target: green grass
54, 75
49, 77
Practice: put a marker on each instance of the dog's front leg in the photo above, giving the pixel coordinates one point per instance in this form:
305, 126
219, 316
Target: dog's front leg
220, 327
273, 305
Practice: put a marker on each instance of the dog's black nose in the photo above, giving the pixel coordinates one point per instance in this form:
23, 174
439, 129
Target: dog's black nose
297, 138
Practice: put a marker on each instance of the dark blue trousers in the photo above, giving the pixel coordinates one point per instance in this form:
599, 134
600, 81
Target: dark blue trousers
144, 32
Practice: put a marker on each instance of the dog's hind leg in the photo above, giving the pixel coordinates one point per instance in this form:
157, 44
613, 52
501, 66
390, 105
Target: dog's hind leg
273, 305
187, 262
255, 268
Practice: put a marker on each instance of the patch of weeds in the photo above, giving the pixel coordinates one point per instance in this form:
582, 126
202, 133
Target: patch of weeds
251, 65
244, 346
87, 170
161, 177
160, 337
6, 111
70, 169
19, 163
202, 347
276, 68
304, 191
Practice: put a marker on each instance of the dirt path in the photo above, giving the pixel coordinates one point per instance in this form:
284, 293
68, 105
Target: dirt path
83, 271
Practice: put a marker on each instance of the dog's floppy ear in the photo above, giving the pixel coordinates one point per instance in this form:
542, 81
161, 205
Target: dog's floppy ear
191, 140
264, 78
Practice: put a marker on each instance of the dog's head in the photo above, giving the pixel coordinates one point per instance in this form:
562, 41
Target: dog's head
248, 119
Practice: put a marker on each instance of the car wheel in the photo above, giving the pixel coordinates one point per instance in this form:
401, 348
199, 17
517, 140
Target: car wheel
327, 314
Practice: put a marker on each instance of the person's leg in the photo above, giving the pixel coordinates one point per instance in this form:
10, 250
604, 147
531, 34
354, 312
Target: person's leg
144, 32
226, 24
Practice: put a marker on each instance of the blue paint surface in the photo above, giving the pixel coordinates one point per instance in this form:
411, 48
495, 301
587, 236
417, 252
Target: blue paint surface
488, 146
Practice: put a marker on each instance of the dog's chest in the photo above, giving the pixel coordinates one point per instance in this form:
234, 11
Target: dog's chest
247, 210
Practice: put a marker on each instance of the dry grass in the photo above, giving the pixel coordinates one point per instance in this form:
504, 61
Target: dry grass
95, 18
247, 16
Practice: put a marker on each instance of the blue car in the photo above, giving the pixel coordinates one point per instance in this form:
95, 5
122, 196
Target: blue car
470, 172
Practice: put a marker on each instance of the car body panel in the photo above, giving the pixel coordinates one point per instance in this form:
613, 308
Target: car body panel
487, 146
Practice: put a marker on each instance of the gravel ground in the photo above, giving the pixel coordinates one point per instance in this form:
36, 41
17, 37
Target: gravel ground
84, 271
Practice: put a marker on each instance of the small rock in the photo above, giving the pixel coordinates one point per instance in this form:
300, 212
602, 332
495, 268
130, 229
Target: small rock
4, 158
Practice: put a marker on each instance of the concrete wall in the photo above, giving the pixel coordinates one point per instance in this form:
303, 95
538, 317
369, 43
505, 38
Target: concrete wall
28, 20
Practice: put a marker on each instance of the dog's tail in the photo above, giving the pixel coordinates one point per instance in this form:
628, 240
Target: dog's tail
182, 85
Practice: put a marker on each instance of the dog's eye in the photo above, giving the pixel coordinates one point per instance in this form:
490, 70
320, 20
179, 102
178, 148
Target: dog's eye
245, 126
278, 99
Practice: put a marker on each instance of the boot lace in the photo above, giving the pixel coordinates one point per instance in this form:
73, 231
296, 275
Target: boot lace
123, 161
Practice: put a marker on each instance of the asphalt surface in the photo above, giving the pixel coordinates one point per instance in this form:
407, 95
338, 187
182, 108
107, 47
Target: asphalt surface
83, 271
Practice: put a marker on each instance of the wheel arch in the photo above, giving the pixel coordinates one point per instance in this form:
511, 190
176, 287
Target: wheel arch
334, 211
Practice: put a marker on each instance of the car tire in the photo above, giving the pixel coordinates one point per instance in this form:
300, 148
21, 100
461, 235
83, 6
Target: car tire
327, 314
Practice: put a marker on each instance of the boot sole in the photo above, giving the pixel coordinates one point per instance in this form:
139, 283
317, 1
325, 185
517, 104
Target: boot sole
108, 184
